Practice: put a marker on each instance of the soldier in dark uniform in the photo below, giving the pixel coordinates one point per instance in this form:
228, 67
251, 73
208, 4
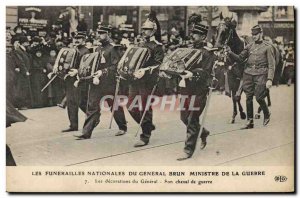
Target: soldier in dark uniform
107, 69
258, 73
198, 79
23, 63
76, 96
145, 81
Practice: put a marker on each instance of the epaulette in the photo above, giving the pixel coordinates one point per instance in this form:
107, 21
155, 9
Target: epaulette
158, 43
113, 44
153, 39
267, 43
116, 45
209, 47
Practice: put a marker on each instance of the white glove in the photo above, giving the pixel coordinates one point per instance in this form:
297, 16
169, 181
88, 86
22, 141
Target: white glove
163, 74
98, 74
27, 73
187, 75
44, 70
96, 81
269, 84
139, 73
183, 77
76, 83
49, 75
17, 69
73, 72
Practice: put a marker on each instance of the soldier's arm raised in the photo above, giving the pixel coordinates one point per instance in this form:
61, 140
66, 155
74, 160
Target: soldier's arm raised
240, 57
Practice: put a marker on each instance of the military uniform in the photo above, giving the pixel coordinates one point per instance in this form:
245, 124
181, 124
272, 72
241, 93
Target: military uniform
143, 87
106, 87
259, 67
76, 96
108, 66
198, 87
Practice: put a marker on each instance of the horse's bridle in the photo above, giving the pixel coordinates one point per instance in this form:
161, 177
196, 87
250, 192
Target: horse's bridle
229, 35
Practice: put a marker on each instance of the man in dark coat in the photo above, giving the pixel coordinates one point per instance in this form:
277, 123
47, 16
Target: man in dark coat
143, 82
23, 63
258, 73
76, 96
198, 78
38, 77
107, 69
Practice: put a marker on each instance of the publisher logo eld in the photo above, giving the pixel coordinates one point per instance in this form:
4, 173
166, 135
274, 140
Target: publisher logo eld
280, 178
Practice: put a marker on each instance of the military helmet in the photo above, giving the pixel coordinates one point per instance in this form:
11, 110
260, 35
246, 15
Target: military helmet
256, 29
149, 25
104, 27
200, 28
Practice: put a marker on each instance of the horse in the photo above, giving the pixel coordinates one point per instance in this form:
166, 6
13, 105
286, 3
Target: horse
226, 35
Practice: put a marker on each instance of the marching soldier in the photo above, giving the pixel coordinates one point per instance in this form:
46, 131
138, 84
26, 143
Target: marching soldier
198, 80
258, 73
106, 86
145, 81
76, 97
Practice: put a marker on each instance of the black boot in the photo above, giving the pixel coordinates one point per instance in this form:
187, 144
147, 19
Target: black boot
249, 125
203, 137
267, 119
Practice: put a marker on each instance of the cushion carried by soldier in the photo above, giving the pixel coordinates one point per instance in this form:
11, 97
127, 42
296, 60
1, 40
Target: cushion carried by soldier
180, 60
88, 65
133, 59
65, 60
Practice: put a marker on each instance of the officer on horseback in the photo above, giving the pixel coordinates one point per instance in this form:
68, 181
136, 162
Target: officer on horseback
258, 73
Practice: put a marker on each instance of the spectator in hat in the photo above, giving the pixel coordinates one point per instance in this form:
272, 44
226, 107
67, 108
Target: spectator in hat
38, 77
23, 64
56, 90
82, 25
289, 63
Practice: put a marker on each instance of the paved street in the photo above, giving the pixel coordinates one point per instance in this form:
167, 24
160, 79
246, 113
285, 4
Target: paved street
39, 141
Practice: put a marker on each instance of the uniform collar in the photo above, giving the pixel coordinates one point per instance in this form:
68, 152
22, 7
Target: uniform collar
105, 43
198, 44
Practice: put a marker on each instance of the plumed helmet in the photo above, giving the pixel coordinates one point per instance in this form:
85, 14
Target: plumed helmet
149, 25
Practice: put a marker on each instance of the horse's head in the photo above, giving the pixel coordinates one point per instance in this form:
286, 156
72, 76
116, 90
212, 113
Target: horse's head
224, 30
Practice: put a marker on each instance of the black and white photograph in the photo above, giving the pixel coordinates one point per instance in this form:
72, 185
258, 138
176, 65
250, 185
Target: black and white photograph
150, 98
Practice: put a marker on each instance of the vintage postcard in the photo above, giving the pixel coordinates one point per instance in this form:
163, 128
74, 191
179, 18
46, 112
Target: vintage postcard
150, 98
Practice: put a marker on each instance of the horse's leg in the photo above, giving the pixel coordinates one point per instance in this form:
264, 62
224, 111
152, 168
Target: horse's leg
241, 110
242, 113
232, 120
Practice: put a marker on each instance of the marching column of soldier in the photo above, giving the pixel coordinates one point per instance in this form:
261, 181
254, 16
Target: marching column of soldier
85, 92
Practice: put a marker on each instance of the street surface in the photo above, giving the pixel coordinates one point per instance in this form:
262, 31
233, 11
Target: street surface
39, 140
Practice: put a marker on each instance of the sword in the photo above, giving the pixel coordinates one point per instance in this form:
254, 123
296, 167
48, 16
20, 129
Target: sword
211, 88
144, 113
114, 101
50, 81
